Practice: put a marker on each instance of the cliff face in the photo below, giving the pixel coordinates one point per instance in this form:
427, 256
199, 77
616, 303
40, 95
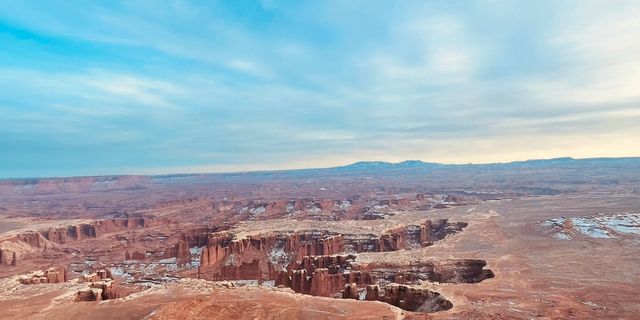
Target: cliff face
8, 257
39, 240
94, 229
276, 252
199, 236
322, 276
180, 251
33, 239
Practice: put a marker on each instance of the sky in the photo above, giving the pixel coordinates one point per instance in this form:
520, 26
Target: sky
152, 87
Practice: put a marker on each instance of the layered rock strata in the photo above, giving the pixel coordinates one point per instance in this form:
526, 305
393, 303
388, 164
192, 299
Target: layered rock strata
100, 286
266, 255
51, 275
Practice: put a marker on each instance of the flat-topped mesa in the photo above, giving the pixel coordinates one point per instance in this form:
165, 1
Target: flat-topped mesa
332, 275
404, 237
462, 271
275, 252
449, 271
51, 275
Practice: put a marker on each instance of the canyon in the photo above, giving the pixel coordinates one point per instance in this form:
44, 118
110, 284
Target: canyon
369, 240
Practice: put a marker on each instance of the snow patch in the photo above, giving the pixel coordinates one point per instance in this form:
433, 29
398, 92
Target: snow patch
597, 226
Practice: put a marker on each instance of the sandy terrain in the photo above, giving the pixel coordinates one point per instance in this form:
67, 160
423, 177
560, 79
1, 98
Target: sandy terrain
536, 275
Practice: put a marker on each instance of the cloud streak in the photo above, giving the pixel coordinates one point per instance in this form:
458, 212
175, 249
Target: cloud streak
132, 87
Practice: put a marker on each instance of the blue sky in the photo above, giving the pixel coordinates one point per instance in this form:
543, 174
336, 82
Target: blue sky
101, 87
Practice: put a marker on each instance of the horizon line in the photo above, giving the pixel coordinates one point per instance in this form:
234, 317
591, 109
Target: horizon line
310, 168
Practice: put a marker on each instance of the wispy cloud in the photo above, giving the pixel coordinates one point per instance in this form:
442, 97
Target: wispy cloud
227, 85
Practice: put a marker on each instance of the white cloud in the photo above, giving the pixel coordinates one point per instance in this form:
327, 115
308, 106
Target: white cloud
439, 81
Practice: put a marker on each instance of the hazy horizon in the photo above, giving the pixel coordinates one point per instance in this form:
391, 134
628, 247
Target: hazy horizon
136, 88
197, 171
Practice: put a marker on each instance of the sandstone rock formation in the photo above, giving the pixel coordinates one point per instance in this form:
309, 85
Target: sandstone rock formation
51, 275
350, 291
100, 287
408, 298
93, 229
97, 291
8, 257
224, 257
102, 274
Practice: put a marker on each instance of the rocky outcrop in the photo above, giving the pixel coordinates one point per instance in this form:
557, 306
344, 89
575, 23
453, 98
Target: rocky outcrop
96, 276
180, 251
461, 271
97, 291
408, 298
351, 291
8, 257
100, 286
51, 275
183, 255
33, 239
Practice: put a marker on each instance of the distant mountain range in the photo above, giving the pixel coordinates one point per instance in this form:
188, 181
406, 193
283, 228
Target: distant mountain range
563, 161
411, 165
543, 175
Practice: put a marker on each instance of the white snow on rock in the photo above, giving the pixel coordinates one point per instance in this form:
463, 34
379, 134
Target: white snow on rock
345, 204
602, 226
290, 206
258, 210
